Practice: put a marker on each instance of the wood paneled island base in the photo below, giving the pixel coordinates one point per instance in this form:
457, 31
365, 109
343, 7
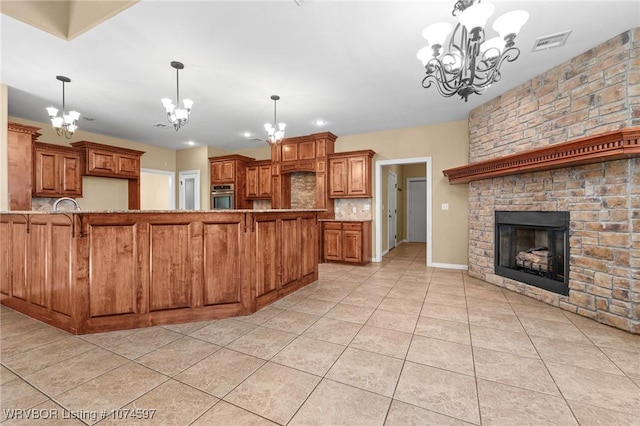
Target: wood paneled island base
89, 272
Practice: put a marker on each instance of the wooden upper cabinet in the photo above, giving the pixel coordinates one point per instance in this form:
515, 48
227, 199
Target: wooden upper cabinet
301, 154
57, 171
223, 171
258, 180
20, 141
350, 174
110, 161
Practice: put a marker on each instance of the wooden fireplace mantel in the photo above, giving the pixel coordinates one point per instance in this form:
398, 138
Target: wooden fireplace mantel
610, 146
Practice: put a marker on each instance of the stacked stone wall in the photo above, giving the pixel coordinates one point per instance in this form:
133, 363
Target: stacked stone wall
596, 92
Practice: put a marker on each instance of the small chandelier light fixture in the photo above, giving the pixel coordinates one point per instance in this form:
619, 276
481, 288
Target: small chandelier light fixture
177, 116
66, 123
275, 136
471, 62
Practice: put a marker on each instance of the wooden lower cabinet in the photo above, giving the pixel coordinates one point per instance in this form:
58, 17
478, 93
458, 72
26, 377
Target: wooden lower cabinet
286, 253
347, 241
94, 272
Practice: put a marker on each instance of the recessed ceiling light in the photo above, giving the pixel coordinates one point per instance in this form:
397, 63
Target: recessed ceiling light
190, 143
246, 134
320, 122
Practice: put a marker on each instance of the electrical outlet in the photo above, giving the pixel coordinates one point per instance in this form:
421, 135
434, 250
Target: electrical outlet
445, 206
354, 210
366, 207
336, 210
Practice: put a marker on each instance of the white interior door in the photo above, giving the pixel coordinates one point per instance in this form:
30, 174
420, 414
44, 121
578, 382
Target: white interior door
392, 201
417, 209
190, 190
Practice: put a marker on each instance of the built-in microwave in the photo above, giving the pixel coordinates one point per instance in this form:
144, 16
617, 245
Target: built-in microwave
222, 196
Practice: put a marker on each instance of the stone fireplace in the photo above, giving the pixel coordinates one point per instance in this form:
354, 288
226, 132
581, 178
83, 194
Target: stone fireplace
596, 93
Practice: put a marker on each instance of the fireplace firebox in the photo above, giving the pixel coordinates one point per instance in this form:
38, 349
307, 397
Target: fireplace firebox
533, 248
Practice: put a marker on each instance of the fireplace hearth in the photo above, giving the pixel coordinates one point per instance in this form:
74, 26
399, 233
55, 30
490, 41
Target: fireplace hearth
533, 248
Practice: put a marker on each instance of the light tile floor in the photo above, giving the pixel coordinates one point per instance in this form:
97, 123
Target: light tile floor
393, 343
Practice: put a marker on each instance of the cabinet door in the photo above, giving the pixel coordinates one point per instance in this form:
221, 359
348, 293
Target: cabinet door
70, 175
252, 182
337, 177
289, 152
47, 180
222, 171
216, 172
264, 181
332, 244
228, 171
307, 150
101, 162
357, 179
352, 246
128, 165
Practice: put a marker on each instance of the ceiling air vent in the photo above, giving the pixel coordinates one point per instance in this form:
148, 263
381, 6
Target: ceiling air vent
550, 41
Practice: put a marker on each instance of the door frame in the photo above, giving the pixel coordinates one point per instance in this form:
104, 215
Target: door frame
409, 180
172, 183
196, 200
378, 197
395, 236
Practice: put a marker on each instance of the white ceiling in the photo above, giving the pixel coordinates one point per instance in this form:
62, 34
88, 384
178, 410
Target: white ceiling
352, 63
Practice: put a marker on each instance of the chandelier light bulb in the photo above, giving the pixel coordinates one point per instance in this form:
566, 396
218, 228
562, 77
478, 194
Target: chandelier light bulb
492, 48
476, 16
436, 34
510, 23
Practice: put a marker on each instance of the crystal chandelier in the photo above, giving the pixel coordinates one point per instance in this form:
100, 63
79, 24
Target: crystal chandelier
275, 136
471, 63
177, 116
66, 123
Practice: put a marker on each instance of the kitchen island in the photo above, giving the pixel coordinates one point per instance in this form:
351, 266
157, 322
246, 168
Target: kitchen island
87, 272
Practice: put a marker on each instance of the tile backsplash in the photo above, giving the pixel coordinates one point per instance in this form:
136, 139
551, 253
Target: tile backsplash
353, 208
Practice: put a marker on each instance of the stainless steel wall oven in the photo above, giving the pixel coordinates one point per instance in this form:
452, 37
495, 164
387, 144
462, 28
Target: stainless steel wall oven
222, 196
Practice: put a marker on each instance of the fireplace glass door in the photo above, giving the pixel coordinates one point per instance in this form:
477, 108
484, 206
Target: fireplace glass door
532, 247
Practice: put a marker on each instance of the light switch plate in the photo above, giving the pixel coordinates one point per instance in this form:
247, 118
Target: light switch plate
445, 206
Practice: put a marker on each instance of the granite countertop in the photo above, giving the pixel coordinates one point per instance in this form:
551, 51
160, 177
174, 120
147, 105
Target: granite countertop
35, 212
345, 220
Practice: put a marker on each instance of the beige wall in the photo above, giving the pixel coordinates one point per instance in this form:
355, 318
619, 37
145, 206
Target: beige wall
260, 153
447, 144
4, 160
106, 193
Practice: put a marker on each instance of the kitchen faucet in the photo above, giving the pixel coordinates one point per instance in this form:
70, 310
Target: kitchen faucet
59, 200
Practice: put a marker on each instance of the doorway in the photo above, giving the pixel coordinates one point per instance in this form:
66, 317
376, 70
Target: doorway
380, 210
189, 190
157, 190
417, 210
392, 200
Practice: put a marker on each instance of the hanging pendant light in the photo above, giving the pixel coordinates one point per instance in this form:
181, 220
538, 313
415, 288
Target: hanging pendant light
275, 135
175, 115
471, 63
66, 123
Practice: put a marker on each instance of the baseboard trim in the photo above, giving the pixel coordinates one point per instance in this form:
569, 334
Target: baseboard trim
450, 266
